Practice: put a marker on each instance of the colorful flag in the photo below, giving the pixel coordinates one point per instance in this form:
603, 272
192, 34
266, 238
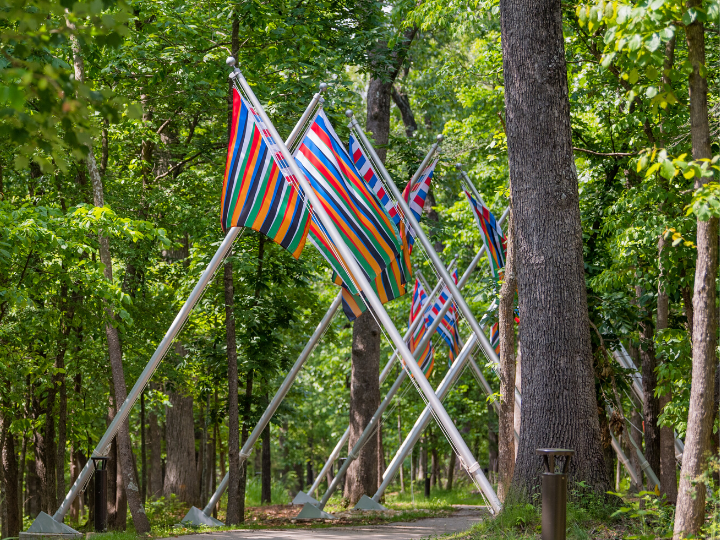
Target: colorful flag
447, 328
255, 193
417, 309
390, 284
359, 216
495, 337
492, 233
416, 194
362, 164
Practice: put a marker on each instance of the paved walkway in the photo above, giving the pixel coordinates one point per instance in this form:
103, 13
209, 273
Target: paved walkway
424, 528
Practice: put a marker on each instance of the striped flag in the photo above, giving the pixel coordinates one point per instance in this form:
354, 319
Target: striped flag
417, 309
390, 284
492, 233
447, 328
359, 216
495, 337
362, 164
255, 193
416, 194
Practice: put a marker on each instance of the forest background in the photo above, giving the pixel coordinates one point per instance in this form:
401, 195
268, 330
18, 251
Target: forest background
153, 106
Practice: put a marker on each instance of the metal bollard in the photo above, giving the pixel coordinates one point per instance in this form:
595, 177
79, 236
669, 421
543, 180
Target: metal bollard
100, 463
427, 486
554, 493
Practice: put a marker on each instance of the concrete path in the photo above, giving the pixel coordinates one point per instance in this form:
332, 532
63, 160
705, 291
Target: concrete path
462, 520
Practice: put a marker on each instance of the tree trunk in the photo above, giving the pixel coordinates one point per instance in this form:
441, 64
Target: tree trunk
154, 477
45, 453
690, 512
636, 421
361, 478
142, 525
651, 405
180, 474
518, 377
143, 451
451, 471
266, 495
492, 440
506, 420
11, 521
668, 468
559, 405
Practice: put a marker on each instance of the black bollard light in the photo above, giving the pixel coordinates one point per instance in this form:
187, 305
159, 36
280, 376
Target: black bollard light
100, 463
554, 493
427, 486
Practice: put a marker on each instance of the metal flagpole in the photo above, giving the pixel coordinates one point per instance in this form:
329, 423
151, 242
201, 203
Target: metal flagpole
377, 416
624, 459
147, 373
447, 383
192, 516
195, 515
462, 305
383, 318
625, 361
301, 497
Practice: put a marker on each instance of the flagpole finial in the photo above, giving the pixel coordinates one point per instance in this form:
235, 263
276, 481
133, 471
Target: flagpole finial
230, 61
349, 113
458, 166
323, 86
440, 138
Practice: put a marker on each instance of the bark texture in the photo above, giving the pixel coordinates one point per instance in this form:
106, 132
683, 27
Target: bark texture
361, 478
651, 404
559, 404
506, 420
668, 468
180, 475
690, 510
11, 515
154, 477
266, 491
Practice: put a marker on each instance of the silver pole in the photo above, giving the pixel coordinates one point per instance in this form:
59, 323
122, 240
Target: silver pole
384, 319
147, 373
367, 432
317, 98
422, 422
625, 361
624, 459
464, 308
277, 399
383, 375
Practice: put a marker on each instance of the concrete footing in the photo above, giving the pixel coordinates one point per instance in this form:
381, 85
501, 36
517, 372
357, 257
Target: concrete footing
197, 517
366, 503
304, 498
46, 528
310, 511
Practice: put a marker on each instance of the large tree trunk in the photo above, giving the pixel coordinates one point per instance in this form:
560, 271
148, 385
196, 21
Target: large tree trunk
559, 405
651, 405
690, 511
45, 453
361, 478
180, 475
506, 420
492, 437
140, 520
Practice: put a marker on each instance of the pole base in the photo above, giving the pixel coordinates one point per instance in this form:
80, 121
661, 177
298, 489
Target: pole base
303, 498
366, 503
197, 517
310, 511
46, 528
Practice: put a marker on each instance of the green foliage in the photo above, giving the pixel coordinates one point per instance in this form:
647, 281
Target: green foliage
654, 516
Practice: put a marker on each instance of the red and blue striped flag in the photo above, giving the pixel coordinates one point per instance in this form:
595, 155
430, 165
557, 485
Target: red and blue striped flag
255, 193
416, 194
492, 233
417, 309
359, 216
448, 328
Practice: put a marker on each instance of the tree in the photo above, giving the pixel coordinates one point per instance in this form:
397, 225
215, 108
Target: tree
690, 512
559, 405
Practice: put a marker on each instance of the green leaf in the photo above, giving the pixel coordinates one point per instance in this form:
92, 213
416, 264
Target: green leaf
667, 169
690, 16
651, 92
653, 43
